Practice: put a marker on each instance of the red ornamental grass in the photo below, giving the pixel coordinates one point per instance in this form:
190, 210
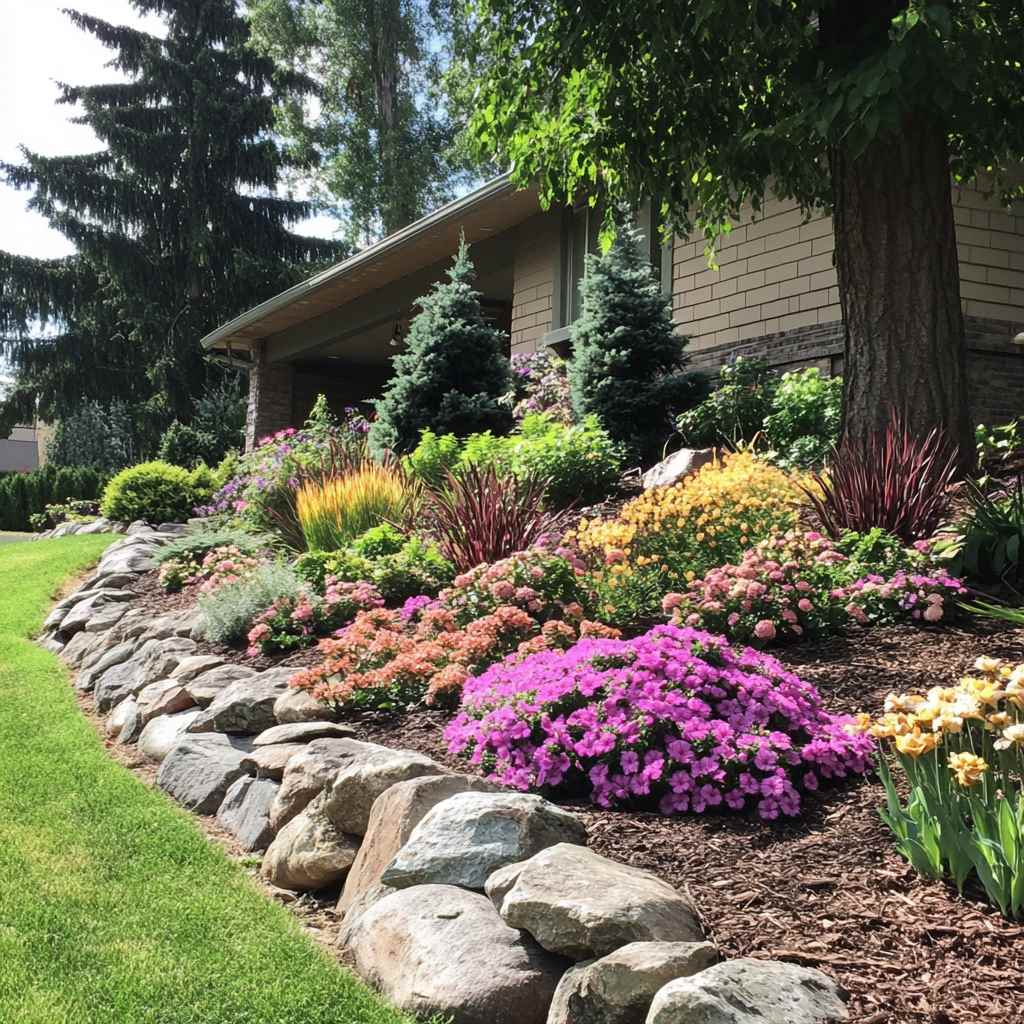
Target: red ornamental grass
483, 516
899, 482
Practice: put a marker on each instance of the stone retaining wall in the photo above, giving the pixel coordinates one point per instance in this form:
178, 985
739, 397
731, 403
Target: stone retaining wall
456, 898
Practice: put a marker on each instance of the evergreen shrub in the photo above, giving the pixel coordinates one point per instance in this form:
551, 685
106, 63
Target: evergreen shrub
156, 492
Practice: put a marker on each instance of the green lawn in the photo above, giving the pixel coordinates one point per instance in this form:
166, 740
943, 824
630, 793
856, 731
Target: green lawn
114, 909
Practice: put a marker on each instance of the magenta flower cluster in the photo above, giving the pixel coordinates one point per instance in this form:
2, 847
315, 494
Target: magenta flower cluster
676, 718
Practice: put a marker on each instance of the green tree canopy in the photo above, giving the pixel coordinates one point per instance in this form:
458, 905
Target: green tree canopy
176, 220
866, 109
382, 135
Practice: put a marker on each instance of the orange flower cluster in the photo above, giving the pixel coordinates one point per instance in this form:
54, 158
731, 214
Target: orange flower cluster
386, 661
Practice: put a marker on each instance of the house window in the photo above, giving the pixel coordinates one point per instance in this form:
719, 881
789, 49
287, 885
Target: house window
580, 233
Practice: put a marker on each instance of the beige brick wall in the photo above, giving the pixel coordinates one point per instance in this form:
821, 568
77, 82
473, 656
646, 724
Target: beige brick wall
536, 258
775, 272
990, 241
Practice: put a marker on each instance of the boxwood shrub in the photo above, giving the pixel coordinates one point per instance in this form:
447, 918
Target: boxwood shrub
154, 491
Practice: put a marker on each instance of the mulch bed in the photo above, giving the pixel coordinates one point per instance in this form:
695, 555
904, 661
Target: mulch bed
828, 890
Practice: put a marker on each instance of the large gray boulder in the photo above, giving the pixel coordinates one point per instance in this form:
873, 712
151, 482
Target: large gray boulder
245, 811
751, 992
92, 602
160, 735
677, 466
205, 687
581, 905
116, 720
199, 769
350, 795
106, 618
393, 817
154, 660
618, 988
301, 732
81, 646
441, 950
245, 708
298, 706
270, 762
309, 852
94, 666
173, 624
194, 666
463, 840
308, 773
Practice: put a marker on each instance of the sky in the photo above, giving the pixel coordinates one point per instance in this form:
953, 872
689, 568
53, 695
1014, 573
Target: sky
38, 47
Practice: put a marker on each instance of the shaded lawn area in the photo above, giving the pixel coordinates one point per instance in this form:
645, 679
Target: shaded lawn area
114, 908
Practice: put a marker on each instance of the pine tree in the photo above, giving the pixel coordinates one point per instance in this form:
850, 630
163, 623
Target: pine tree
628, 363
453, 372
175, 221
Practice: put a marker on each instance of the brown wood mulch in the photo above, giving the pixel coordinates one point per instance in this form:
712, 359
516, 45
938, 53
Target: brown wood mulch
828, 890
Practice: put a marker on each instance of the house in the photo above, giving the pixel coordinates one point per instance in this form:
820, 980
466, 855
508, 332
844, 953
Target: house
21, 452
774, 293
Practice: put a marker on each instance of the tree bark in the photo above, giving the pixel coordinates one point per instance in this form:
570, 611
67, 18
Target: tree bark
899, 286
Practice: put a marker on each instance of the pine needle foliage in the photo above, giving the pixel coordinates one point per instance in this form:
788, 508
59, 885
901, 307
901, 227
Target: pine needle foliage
175, 220
453, 373
628, 364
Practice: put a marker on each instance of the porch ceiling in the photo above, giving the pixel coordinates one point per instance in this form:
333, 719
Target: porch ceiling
480, 215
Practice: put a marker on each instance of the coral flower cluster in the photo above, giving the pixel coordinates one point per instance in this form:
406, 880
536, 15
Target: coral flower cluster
675, 718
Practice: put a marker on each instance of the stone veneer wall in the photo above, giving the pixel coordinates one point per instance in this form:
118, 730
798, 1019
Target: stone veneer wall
270, 397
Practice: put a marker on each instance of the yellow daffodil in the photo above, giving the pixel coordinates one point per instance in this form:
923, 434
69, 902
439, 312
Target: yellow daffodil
988, 665
968, 768
947, 722
890, 726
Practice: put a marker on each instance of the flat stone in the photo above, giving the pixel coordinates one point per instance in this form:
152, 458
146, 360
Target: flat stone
194, 666
163, 657
207, 686
106, 618
297, 706
270, 762
618, 988
152, 661
677, 466
82, 611
94, 666
749, 991
350, 796
309, 772
309, 852
467, 837
164, 697
199, 769
301, 732
160, 735
393, 818
81, 646
245, 811
131, 730
116, 580
579, 904
51, 644
245, 707
118, 717
175, 624
441, 950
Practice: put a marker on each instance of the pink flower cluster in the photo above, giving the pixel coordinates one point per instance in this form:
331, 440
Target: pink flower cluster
295, 621
226, 564
798, 584
675, 718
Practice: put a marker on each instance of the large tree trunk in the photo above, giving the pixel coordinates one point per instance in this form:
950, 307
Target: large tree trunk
899, 285
899, 279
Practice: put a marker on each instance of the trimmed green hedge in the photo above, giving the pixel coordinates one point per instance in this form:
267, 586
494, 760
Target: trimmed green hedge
24, 494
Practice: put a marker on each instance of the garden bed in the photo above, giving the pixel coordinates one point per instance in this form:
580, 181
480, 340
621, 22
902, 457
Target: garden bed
827, 890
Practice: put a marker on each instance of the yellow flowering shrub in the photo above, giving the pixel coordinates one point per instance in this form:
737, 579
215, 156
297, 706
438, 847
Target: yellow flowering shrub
669, 535
962, 750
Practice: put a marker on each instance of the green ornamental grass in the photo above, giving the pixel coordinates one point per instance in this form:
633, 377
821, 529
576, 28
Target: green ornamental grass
114, 908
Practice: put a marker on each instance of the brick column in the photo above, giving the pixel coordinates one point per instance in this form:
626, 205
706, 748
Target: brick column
270, 397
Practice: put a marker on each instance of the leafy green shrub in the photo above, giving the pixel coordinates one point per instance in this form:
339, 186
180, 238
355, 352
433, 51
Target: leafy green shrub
577, 463
184, 445
628, 363
154, 491
228, 611
74, 510
453, 373
384, 539
23, 495
803, 425
735, 411
985, 544
878, 552
996, 444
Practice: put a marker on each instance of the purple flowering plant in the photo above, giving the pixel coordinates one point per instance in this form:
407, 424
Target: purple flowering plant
540, 384
676, 718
